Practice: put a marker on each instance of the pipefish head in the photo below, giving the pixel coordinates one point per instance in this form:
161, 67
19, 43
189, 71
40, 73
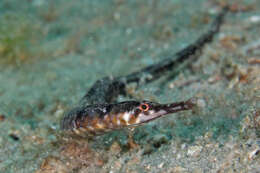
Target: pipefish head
100, 118
135, 113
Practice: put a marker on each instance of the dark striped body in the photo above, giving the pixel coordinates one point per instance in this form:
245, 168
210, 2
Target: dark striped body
98, 119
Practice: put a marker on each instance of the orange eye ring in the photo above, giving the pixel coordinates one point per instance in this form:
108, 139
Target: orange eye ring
144, 107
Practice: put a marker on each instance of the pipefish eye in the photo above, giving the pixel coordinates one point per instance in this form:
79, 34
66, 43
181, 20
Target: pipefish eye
144, 107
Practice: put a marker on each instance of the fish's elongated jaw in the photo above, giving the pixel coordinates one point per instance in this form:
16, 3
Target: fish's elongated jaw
143, 118
158, 110
180, 106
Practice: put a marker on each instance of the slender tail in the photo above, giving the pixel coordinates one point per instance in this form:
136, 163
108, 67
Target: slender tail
155, 71
107, 89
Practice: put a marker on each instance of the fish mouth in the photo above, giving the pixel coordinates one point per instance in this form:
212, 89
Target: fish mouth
179, 106
152, 116
165, 109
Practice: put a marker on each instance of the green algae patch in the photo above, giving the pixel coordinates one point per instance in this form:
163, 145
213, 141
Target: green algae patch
19, 38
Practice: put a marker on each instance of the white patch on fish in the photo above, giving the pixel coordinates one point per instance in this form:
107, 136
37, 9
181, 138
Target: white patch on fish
126, 116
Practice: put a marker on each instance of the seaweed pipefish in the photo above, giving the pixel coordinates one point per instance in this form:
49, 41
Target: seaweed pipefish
97, 113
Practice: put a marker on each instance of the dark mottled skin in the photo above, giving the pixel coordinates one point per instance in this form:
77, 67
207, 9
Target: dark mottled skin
100, 98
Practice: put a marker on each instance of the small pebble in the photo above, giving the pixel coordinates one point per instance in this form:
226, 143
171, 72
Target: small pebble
194, 151
178, 169
2, 117
52, 164
115, 148
183, 146
117, 16
252, 155
253, 61
201, 103
159, 139
161, 165
254, 19
14, 137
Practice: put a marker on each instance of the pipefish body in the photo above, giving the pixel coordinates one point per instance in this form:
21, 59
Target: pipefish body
97, 113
